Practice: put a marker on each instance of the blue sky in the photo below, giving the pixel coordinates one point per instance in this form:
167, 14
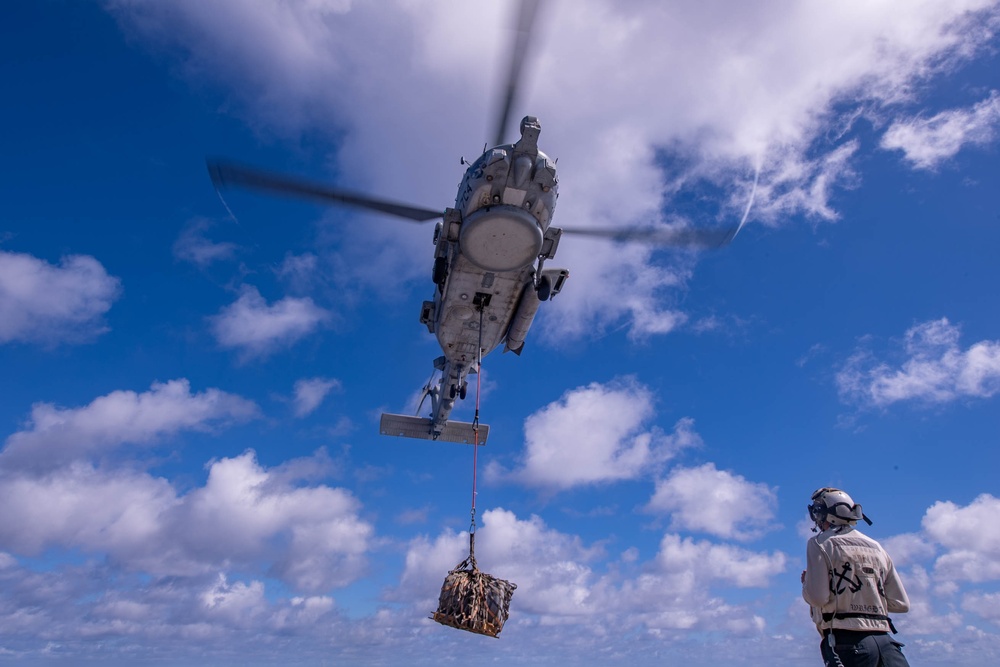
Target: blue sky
191, 470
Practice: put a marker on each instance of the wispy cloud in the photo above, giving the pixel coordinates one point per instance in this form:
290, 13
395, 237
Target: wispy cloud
193, 246
935, 370
44, 303
299, 272
310, 392
927, 142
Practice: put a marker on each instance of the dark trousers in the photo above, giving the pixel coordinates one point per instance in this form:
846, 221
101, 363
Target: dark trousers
862, 649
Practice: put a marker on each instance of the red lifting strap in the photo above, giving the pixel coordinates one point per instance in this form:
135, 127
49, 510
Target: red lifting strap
475, 444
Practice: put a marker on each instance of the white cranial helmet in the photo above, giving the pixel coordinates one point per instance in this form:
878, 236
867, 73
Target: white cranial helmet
835, 507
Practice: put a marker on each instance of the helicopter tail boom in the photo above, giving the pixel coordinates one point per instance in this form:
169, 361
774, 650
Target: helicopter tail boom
406, 426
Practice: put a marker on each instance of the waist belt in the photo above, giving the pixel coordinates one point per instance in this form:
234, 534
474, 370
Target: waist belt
871, 617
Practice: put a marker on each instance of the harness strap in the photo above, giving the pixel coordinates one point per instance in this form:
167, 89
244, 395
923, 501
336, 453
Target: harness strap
872, 617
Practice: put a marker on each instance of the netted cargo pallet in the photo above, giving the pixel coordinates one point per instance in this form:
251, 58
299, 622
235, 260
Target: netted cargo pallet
474, 601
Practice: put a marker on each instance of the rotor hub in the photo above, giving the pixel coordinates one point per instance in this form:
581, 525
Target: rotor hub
501, 238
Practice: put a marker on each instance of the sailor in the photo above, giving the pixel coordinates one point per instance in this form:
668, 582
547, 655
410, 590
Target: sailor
851, 587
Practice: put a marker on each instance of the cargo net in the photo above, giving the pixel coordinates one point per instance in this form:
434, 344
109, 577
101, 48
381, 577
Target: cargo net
473, 600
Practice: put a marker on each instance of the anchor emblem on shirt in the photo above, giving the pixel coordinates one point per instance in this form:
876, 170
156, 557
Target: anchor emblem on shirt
845, 580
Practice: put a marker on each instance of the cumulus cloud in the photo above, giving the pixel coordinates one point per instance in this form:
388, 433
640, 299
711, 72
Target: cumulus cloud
936, 370
237, 602
242, 509
717, 502
970, 537
193, 246
680, 558
560, 578
310, 392
44, 303
87, 605
928, 618
245, 516
257, 328
649, 114
909, 548
949, 567
596, 434
79, 506
163, 562
54, 435
550, 568
927, 142
986, 605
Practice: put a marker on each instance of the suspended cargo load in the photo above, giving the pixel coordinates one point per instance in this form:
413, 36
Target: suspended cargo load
474, 601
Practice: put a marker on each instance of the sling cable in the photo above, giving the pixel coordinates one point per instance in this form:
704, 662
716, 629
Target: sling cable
472, 600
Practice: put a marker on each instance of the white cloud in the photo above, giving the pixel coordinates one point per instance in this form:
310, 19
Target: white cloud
78, 506
558, 577
684, 561
550, 568
242, 509
310, 392
239, 602
596, 434
43, 303
716, 502
926, 142
641, 108
193, 246
182, 616
54, 435
952, 560
257, 329
299, 271
812, 186
970, 536
986, 605
925, 618
908, 548
936, 370
245, 517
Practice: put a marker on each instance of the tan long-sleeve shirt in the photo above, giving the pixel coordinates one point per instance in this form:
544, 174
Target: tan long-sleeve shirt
850, 582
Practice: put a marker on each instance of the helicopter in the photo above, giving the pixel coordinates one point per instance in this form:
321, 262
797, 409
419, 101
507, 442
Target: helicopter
490, 251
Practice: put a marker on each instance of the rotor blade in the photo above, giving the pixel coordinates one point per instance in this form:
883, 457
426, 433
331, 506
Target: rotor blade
518, 53
675, 238
229, 174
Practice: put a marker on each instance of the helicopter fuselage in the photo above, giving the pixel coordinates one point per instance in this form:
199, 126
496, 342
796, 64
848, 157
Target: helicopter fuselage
489, 252
489, 256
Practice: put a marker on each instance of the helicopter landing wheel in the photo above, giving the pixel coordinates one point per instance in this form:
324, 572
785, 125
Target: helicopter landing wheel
464, 390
